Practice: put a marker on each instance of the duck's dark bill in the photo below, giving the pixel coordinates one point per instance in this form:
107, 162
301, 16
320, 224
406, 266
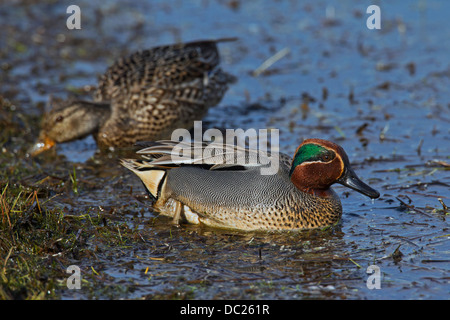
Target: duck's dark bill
351, 180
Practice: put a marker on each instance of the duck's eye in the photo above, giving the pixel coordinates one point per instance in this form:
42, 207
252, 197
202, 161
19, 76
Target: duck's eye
59, 119
327, 157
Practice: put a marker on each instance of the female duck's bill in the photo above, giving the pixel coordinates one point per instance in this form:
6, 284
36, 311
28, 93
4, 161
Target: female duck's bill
43, 144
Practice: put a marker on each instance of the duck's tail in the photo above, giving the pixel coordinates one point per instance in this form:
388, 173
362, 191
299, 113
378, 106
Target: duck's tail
153, 177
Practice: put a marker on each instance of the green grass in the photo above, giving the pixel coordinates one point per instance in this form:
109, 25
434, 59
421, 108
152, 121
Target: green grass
37, 244
73, 179
30, 239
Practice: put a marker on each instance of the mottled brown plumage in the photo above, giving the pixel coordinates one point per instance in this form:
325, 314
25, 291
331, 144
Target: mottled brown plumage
142, 97
237, 196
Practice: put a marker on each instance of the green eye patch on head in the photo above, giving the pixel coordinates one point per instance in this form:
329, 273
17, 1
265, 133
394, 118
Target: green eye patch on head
311, 153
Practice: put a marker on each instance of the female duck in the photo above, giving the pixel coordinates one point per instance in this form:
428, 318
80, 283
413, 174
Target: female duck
142, 97
237, 196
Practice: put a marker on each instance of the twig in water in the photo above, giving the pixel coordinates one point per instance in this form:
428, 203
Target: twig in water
359, 266
266, 64
419, 147
444, 206
413, 208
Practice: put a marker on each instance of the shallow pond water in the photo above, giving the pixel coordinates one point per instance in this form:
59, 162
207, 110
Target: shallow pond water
382, 94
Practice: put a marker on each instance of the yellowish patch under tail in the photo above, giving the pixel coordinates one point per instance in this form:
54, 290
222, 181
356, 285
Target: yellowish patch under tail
152, 178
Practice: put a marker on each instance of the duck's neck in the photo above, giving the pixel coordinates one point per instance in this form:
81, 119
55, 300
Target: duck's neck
318, 192
94, 115
309, 185
322, 193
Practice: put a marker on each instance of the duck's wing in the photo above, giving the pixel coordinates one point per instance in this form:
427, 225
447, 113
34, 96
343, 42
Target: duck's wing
213, 156
169, 154
188, 62
163, 170
161, 67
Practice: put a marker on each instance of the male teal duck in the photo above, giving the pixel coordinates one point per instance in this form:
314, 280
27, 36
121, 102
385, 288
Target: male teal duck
217, 193
142, 97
